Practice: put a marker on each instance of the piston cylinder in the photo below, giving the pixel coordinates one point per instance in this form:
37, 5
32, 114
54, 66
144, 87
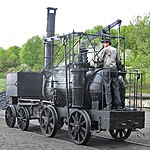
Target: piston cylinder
78, 85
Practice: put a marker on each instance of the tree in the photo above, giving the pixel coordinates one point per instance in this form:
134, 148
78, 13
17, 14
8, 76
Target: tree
32, 53
138, 41
2, 60
93, 31
13, 58
138, 45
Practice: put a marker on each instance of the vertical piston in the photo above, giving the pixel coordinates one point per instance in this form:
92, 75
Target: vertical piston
78, 85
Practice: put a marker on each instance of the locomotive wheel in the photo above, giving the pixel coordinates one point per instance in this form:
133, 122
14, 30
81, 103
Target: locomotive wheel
79, 126
49, 121
120, 134
10, 116
23, 118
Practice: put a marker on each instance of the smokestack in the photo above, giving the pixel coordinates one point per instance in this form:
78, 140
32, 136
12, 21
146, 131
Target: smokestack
49, 49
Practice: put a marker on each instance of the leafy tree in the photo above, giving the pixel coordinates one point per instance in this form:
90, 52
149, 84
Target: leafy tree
3, 60
22, 67
138, 45
32, 53
93, 31
138, 41
13, 58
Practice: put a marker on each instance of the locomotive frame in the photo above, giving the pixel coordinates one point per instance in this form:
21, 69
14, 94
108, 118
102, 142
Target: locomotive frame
73, 94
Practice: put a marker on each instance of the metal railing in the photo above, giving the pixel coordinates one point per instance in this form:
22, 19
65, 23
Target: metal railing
134, 90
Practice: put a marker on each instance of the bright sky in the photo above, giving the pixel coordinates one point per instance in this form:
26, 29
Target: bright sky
22, 19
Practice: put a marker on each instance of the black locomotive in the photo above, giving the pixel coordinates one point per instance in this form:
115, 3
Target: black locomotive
70, 90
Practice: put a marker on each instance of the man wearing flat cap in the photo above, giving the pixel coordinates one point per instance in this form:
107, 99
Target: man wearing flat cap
109, 56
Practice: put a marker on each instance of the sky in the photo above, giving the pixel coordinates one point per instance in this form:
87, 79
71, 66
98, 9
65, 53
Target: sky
23, 19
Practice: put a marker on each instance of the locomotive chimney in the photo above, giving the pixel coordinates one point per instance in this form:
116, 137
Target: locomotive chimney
49, 49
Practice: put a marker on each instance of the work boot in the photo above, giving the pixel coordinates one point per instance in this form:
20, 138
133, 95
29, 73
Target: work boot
119, 108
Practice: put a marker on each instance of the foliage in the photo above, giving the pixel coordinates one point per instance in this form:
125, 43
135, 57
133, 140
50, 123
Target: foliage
2, 81
9, 58
13, 58
93, 31
138, 45
22, 67
2, 59
29, 57
32, 53
2, 75
2, 85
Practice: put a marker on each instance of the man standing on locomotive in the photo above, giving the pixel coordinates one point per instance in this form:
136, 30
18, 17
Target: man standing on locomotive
109, 56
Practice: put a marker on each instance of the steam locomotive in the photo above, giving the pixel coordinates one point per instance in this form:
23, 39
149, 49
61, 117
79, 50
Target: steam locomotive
70, 90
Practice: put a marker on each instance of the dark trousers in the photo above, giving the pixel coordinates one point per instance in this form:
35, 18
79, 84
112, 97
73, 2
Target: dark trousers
111, 86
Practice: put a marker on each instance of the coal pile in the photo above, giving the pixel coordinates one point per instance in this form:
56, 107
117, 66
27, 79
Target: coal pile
3, 100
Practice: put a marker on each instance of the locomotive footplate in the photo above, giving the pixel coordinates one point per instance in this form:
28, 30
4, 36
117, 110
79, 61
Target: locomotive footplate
113, 120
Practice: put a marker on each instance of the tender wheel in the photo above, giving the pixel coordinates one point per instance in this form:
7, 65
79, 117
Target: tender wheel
10, 116
49, 121
120, 134
23, 118
79, 126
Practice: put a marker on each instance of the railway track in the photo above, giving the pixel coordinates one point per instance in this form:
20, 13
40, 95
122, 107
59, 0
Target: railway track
127, 142
141, 144
97, 141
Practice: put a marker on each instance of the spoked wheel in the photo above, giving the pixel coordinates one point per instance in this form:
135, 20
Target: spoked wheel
49, 121
79, 126
23, 118
10, 116
120, 134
